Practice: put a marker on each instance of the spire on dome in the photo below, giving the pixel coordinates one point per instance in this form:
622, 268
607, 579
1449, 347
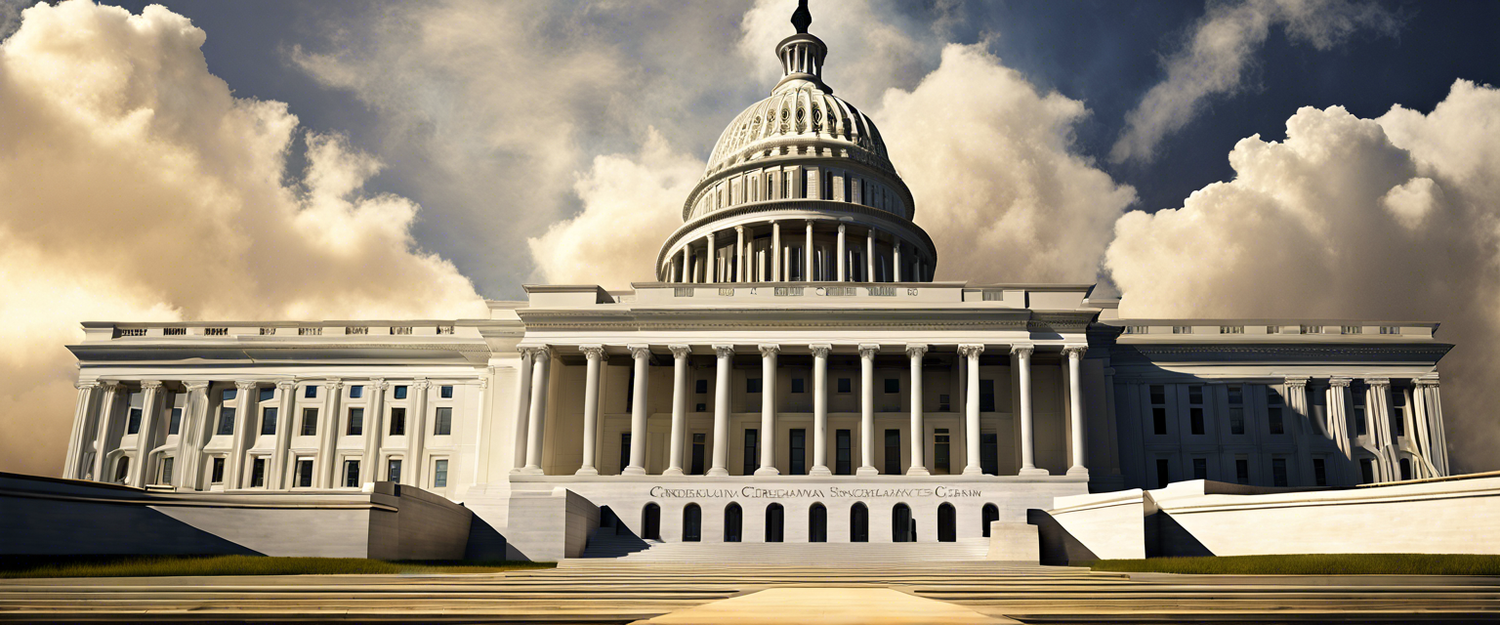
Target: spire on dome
801, 18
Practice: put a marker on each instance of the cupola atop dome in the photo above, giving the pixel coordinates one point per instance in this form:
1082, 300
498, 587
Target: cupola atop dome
805, 159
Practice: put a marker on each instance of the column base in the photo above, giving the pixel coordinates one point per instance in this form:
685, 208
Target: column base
866, 471
1077, 471
633, 471
820, 471
531, 471
673, 471
768, 471
718, 472
1031, 471
917, 471
973, 469
586, 471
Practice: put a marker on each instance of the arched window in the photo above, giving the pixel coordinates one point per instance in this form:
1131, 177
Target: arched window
947, 523
903, 530
817, 524
651, 522
859, 523
775, 516
122, 469
734, 519
990, 514
692, 523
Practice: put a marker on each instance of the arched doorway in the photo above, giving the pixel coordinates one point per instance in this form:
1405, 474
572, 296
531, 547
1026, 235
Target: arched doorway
903, 530
817, 524
651, 522
122, 469
947, 523
692, 523
859, 523
734, 519
990, 514
775, 516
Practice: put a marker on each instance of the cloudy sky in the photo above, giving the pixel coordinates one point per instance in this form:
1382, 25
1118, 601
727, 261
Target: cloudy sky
284, 159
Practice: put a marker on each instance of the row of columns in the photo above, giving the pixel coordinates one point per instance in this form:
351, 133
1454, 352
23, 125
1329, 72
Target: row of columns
682, 267
1423, 438
94, 437
535, 364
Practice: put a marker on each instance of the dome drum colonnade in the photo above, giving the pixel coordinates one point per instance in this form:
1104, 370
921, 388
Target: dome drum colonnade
799, 188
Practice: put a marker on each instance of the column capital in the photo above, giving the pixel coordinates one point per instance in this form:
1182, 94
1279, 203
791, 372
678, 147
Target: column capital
379, 384
150, 385
333, 384
1433, 382
110, 385
1378, 381
422, 385
680, 351
592, 352
723, 351
820, 350
970, 350
1339, 382
841, 228
246, 385
768, 350
286, 385
1023, 350
916, 350
639, 352
1075, 350
740, 229
86, 385
196, 386
535, 351
868, 350
1296, 381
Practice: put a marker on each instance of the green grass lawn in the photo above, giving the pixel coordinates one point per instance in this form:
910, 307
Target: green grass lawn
156, 566
1333, 564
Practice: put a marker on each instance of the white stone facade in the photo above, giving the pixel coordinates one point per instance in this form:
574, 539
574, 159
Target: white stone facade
794, 367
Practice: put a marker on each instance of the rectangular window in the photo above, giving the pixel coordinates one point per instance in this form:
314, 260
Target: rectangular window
443, 424
1366, 471
1200, 468
304, 473
1236, 394
166, 471
1159, 421
1163, 472
357, 391
445, 392
940, 452
1195, 394
845, 385
310, 392
893, 452
893, 385
798, 386
400, 392
630, 389
1278, 472
356, 422
1242, 470
258, 473
1274, 420
989, 453
266, 394
226, 421
393, 470
1320, 472
752, 385
799, 451
1360, 426
227, 395
1236, 419
1405, 468
986, 395
944, 405
440, 473
843, 456
309, 421
700, 442
700, 407
1158, 395
174, 424
752, 448
351, 474
268, 421
700, 387
133, 425
1195, 420
624, 450
217, 475
1398, 412
398, 422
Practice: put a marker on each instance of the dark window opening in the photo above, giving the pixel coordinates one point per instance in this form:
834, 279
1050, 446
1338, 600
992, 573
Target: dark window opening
893, 452
1163, 473
775, 518
699, 442
692, 523
859, 523
799, 451
988, 515
1320, 472
752, 448
903, 530
1200, 468
843, 455
986, 395
734, 521
817, 524
940, 452
947, 523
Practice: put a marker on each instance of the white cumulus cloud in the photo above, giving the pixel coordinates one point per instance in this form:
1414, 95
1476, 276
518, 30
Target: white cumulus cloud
138, 188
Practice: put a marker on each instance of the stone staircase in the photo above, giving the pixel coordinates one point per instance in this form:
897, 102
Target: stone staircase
630, 549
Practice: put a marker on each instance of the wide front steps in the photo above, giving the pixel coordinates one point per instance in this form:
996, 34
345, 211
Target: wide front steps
632, 549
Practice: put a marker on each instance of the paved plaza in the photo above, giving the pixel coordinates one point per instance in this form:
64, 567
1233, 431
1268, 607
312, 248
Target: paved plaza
614, 592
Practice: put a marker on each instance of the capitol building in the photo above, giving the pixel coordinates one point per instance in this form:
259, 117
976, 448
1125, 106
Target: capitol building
792, 371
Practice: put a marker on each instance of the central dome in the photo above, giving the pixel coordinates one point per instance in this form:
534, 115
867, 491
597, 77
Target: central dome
808, 162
